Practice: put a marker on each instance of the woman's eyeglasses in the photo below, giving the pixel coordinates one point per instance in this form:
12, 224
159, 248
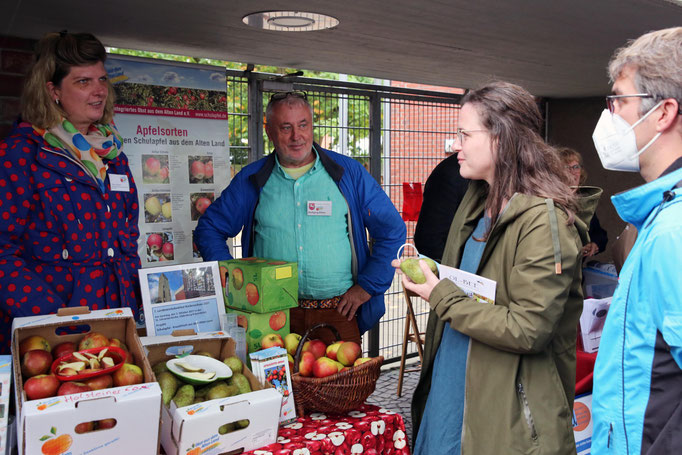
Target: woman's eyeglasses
282, 95
574, 167
463, 134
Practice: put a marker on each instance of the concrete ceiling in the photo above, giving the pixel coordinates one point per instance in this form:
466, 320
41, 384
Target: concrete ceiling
554, 48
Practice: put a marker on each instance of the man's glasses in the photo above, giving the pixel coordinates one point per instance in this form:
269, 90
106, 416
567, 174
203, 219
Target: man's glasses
277, 96
463, 134
611, 99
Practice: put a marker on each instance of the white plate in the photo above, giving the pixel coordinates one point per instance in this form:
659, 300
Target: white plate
208, 364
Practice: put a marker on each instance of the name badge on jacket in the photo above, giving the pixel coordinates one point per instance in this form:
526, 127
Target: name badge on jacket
119, 182
319, 208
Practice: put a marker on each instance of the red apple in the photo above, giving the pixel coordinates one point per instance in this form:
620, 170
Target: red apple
154, 242
163, 173
93, 340
105, 424
348, 353
128, 374
361, 360
208, 170
197, 169
252, 295
272, 339
85, 427
202, 204
100, 382
332, 348
305, 365
167, 250
33, 342
35, 362
152, 166
62, 349
317, 347
115, 342
278, 320
67, 388
324, 367
344, 369
41, 386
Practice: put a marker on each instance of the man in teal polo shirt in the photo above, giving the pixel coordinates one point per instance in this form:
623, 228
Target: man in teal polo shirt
313, 206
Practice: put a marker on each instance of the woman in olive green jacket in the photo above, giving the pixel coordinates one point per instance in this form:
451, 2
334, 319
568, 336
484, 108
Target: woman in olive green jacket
519, 378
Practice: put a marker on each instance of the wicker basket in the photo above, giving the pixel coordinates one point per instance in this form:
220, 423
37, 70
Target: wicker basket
338, 393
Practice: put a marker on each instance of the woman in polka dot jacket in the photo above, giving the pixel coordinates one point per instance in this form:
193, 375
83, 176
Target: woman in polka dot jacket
68, 203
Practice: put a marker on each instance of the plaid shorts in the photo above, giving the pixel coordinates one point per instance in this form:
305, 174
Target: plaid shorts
319, 304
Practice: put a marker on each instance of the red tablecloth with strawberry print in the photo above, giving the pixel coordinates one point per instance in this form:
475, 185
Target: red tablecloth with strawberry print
368, 430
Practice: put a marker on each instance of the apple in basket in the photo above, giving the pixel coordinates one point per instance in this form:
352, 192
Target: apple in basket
305, 365
317, 347
348, 353
324, 367
272, 339
41, 386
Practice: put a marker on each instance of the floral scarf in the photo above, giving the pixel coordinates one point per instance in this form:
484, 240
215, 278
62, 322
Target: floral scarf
101, 142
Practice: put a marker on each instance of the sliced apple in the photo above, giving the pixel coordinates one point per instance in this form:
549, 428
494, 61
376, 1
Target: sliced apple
80, 356
76, 366
108, 362
102, 353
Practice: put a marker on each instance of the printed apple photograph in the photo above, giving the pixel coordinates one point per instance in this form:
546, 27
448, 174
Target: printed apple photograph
158, 208
199, 203
200, 169
155, 169
160, 246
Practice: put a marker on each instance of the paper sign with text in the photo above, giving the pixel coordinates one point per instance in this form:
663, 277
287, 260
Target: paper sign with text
475, 286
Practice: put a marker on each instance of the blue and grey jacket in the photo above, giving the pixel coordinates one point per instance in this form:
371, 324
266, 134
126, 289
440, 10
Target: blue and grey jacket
637, 397
369, 210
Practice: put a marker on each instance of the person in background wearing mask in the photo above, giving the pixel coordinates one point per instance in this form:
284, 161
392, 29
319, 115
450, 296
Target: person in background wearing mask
637, 396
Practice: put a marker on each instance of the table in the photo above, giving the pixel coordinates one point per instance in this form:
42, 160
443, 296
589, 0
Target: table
369, 430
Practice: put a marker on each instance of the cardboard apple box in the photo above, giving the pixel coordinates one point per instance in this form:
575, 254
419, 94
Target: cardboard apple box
49, 424
195, 427
259, 285
259, 325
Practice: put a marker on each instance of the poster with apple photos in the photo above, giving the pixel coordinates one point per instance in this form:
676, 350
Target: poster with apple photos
181, 297
173, 120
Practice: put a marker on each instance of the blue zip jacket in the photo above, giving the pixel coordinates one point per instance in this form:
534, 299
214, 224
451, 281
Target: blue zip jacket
370, 210
637, 396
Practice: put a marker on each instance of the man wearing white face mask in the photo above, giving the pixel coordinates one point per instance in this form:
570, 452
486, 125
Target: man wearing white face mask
637, 396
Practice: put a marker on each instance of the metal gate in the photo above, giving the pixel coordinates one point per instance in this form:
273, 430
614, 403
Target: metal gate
398, 133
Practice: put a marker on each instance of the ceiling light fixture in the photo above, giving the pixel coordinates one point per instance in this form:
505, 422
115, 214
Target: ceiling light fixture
290, 21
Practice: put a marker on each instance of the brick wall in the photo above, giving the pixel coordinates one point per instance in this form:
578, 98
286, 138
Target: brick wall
15, 57
418, 141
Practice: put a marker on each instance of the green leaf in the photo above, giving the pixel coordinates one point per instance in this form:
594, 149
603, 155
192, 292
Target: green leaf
53, 430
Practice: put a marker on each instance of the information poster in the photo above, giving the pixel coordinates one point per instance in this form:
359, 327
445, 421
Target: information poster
180, 297
173, 119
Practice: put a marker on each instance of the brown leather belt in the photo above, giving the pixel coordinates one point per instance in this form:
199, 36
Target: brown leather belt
319, 303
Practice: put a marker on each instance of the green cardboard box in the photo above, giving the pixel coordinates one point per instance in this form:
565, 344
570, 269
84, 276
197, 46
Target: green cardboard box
259, 285
259, 325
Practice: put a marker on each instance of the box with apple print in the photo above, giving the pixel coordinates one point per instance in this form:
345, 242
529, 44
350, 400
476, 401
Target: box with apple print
86, 418
259, 285
263, 330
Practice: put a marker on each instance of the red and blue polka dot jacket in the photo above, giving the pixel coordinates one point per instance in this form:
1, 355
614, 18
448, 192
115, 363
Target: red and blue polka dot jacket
62, 242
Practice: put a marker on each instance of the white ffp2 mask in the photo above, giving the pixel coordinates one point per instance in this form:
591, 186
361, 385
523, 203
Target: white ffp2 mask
616, 143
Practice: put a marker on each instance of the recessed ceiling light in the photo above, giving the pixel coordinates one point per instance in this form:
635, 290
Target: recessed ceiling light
290, 21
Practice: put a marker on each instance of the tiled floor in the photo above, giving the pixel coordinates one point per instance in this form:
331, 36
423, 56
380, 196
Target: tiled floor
385, 394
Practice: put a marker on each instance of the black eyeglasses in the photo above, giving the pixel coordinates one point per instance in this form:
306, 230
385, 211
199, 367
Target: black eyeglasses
282, 95
611, 99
